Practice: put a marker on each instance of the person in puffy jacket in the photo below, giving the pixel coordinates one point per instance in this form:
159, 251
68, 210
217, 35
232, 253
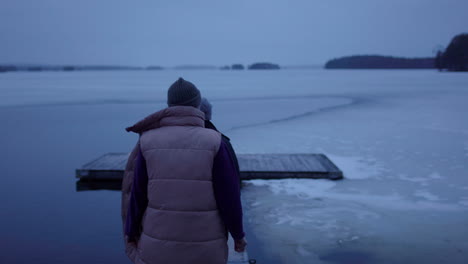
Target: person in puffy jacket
180, 192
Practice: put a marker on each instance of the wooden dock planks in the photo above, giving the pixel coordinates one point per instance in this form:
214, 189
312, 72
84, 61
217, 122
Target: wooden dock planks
110, 167
280, 166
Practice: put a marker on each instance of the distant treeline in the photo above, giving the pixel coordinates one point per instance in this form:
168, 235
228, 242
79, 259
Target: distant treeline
254, 66
195, 67
236, 66
37, 68
455, 56
380, 62
264, 66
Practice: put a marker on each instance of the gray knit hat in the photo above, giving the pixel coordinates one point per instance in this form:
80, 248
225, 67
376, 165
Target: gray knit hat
183, 92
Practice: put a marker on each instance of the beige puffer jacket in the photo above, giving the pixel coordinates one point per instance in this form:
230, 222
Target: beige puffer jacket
181, 223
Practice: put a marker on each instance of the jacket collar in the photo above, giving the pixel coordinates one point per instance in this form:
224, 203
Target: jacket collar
171, 116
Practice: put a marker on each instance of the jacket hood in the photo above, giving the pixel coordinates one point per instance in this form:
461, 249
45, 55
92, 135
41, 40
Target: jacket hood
175, 115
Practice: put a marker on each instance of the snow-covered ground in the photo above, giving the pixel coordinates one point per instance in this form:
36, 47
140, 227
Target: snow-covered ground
401, 138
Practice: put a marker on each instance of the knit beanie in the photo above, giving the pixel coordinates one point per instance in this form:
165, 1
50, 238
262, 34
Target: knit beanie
183, 92
206, 107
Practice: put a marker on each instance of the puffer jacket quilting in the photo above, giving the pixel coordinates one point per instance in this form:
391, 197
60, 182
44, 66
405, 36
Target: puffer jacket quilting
181, 223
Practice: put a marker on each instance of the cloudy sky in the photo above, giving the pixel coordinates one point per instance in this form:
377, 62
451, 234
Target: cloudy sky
217, 32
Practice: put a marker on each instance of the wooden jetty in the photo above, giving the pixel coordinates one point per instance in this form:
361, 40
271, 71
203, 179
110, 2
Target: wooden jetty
106, 172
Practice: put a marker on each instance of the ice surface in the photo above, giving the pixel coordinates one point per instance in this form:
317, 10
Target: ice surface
358, 168
426, 195
401, 138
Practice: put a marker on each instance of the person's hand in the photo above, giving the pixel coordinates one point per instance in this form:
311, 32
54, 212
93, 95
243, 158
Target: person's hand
239, 245
132, 243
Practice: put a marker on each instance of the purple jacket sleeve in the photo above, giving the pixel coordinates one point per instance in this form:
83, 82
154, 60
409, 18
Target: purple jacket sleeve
138, 199
227, 191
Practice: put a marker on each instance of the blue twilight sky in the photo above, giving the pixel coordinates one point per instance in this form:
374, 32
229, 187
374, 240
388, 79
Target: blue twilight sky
217, 32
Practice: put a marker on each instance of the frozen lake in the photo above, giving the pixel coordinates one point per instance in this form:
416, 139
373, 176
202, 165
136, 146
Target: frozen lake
400, 137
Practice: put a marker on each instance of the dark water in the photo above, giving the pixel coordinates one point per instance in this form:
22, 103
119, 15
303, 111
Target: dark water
43, 218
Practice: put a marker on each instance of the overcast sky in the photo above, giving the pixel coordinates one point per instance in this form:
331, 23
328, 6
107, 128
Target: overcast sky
217, 32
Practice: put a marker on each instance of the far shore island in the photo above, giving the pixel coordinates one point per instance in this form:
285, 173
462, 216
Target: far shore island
380, 62
452, 58
264, 66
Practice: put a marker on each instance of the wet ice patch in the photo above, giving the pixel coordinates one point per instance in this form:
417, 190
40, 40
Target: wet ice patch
435, 176
302, 188
412, 179
304, 224
466, 149
463, 201
308, 217
426, 195
358, 168
323, 192
422, 180
302, 251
